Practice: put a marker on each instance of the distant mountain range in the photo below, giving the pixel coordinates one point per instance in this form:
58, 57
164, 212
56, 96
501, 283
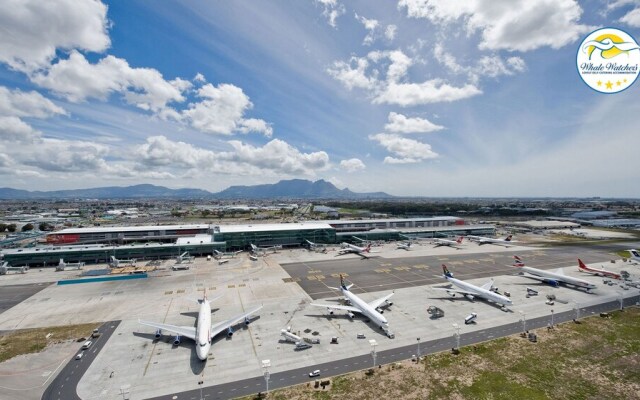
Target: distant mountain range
286, 189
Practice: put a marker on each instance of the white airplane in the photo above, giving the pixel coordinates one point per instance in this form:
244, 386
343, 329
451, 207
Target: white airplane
219, 254
353, 249
115, 263
485, 240
204, 331
184, 258
597, 272
470, 291
552, 278
372, 310
446, 242
404, 246
634, 255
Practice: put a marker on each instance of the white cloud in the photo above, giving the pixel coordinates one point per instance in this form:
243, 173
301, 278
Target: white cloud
199, 78
353, 74
332, 10
34, 29
278, 155
406, 150
371, 25
13, 129
26, 104
222, 111
399, 123
352, 165
432, 91
67, 156
514, 25
390, 32
632, 18
77, 80
491, 66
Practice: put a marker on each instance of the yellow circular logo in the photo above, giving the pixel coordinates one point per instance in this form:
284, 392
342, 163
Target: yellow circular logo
608, 60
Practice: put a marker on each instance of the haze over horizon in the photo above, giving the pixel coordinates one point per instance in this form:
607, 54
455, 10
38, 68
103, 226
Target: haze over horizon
411, 98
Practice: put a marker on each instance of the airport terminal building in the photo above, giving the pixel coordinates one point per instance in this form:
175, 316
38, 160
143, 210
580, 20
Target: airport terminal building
98, 244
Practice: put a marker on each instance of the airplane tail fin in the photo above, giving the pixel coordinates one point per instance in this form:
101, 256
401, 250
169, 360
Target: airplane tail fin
518, 261
581, 264
460, 239
446, 271
368, 248
342, 285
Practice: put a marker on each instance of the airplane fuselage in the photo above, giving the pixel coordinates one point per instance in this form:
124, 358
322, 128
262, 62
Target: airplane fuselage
366, 309
577, 282
481, 292
203, 330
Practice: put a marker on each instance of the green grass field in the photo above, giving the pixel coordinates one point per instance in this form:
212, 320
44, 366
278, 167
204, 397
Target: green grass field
595, 359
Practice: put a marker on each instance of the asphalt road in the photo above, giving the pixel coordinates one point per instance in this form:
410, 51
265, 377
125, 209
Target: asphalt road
377, 273
64, 386
15, 294
301, 375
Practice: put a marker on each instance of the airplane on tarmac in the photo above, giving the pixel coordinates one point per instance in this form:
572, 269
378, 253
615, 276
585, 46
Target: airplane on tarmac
353, 249
485, 240
219, 254
115, 263
598, 272
404, 246
446, 242
552, 278
634, 255
204, 331
372, 310
470, 291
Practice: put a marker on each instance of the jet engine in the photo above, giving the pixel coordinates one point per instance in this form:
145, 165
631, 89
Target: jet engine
330, 311
176, 340
158, 333
468, 296
247, 321
351, 315
389, 303
552, 282
230, 332
380, 310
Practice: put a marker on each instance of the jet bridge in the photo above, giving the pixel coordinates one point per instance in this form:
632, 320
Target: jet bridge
5, 268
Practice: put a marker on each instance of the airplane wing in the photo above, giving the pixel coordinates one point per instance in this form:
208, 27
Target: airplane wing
376, 303
221, 326
338, 307
464, 292
186, 331
488, 285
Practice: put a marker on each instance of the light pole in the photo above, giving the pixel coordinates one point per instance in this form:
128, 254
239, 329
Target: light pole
418, 349
457, 335
577, 308
621, 300
373, 344
524, 321
265, 366
551, 318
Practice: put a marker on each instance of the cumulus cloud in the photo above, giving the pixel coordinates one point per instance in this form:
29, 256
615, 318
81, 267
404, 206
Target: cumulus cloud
404, 150
222, 112
332, 10
13, 129
34, 29
491, 66
389, 87
390, 32
352, 165
399, 123
278, 155
632, 18
77, 80
371, 25
514, 25
26, 104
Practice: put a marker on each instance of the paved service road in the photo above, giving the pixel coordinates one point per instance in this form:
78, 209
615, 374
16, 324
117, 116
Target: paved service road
15, 294
63, 387
293, 377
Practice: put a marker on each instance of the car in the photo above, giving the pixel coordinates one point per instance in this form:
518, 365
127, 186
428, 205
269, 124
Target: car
87, 344
361, 336
314, 373
79, 355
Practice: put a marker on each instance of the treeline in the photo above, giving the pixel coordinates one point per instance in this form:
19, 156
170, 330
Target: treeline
433, 209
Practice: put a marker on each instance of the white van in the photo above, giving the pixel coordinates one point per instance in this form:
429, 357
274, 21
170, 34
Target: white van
86, 344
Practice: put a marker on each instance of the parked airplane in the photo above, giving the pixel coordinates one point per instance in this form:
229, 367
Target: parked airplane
115, 263
598, 272
372, 310
470, 291
485, 240
353, 249
634, 255
404, 246
204, 331
230, 254
446, 242
552, 278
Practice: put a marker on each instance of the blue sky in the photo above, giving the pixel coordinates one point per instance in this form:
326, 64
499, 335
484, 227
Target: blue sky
413, 97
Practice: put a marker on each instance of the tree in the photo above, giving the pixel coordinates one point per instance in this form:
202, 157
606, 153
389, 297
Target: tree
27, 227
11, 227
3, 227
44, 226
